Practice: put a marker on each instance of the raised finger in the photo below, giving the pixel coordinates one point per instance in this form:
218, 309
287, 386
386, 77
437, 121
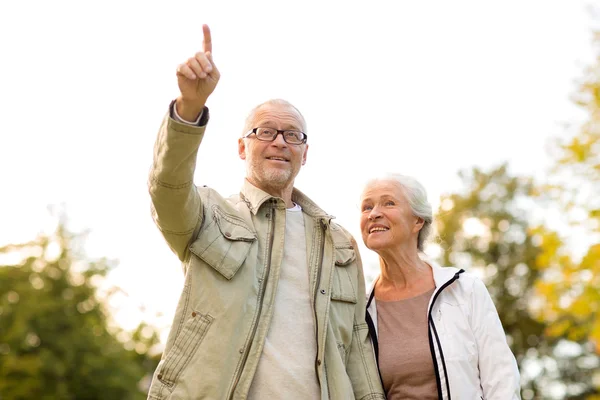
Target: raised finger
185, 71
207, 41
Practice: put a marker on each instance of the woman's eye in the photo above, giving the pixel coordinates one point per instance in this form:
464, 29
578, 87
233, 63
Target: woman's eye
389, 203
366, 208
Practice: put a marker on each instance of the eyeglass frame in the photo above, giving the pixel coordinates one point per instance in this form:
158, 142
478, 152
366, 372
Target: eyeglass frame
279, 132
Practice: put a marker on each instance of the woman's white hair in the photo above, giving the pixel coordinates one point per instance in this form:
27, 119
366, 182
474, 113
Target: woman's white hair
274, 102
416, 195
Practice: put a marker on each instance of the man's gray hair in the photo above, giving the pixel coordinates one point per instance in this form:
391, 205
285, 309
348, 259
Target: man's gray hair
416, 195
274, 102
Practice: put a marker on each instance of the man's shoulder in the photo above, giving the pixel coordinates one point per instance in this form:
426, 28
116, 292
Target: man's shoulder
208, 194
212, 198
341, 234
337, 227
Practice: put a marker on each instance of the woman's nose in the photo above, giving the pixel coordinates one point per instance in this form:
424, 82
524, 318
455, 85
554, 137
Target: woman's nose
374, 214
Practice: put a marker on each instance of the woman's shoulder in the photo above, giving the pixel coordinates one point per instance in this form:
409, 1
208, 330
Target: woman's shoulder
458, 279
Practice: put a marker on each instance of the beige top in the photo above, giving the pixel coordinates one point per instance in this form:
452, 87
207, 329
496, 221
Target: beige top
404, 356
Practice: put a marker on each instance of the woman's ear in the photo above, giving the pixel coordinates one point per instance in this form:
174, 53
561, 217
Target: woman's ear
419, 222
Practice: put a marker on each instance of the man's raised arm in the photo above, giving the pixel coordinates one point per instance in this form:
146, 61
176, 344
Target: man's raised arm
176, 205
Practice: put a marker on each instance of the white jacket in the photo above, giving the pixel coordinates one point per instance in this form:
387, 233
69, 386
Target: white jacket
472, 358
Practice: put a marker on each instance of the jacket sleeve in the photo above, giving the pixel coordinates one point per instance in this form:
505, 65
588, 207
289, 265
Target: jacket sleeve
176, 204
361, 366
498, 370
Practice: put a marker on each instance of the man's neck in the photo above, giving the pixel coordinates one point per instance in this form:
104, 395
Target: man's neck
284, 193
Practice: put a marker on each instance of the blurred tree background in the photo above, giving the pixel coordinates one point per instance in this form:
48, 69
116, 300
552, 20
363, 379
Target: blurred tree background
545, 283
490, 228
56, 337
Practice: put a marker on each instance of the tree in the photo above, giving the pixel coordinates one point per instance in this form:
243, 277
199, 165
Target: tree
488, 229
572, 289
56, 340
570, 283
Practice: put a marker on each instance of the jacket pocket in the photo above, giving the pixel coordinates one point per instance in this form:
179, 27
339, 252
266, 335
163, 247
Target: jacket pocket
455, 333
343, 287
184, 347
224, 244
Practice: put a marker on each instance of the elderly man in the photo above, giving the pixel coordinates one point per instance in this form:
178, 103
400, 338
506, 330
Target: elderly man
273, 304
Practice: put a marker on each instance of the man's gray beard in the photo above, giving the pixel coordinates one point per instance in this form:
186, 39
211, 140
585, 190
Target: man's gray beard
274, 177
271, 176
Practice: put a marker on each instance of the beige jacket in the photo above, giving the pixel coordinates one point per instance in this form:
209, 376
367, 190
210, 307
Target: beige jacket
231, 250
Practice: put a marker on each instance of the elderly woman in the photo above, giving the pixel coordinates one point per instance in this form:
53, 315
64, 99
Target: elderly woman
436, 331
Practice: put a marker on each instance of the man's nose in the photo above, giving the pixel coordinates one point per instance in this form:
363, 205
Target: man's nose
279, 140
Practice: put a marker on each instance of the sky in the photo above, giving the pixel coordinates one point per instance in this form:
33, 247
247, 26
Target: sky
421, 88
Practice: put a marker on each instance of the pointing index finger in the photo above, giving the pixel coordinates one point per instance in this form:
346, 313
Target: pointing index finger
207, 41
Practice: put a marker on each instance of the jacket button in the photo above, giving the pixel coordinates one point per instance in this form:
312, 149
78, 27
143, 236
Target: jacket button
323, 291
228, 234
267, 215
194, 314
159, 376
319, 362
241, 350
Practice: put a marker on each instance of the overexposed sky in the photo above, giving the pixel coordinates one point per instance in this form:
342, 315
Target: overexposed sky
421, 88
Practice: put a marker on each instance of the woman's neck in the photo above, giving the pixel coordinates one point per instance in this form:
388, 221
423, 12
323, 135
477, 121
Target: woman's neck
403, 275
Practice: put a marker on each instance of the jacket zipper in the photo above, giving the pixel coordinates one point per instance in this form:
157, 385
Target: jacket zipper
373, 334
260, 304
431, 347
319, 268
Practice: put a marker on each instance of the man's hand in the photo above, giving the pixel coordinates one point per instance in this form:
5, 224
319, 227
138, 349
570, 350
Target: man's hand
197, 78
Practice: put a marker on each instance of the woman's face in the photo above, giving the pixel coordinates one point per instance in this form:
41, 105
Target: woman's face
386, 219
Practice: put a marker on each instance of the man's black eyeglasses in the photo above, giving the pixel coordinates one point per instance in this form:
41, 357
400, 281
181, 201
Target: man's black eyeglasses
269, 135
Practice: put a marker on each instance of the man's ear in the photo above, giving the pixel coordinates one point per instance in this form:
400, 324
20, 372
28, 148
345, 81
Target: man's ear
242, 148
304, 155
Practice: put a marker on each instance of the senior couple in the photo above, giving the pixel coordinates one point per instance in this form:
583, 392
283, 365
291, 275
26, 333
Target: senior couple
274, 304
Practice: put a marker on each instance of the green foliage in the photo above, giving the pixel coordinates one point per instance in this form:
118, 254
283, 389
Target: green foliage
571, 287
56, 340
547, 294
570, 284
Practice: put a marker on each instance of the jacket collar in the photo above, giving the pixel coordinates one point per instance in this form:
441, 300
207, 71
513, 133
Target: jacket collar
441, 275
255, 197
